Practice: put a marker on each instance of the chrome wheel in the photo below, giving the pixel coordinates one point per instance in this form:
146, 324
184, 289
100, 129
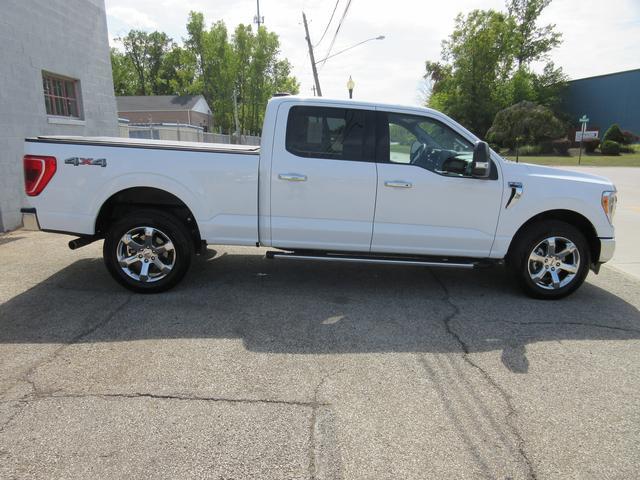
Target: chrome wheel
554, 263
146, 254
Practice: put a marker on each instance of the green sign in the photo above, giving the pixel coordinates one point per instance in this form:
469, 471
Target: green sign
584, 119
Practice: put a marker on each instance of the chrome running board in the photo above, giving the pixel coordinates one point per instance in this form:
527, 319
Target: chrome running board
374, 260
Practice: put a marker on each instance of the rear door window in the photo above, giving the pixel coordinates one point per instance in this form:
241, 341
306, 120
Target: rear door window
327, 132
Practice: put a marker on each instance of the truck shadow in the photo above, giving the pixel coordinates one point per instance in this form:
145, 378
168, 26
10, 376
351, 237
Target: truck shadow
310, 308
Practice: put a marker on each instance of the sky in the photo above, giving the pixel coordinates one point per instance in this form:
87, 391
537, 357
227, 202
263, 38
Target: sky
599, 36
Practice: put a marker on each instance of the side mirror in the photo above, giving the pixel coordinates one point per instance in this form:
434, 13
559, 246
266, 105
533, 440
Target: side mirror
481, 166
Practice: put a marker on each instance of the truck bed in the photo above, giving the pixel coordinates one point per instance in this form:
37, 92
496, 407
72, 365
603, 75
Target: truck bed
144, 143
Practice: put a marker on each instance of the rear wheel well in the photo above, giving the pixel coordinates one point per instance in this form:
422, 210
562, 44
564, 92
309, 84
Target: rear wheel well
125, 201
568, 216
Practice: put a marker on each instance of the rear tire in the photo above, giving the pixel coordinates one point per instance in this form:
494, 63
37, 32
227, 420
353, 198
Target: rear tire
550, 259
148, 251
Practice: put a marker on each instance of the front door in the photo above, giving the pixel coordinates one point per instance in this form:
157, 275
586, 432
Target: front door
323, 179
427, 201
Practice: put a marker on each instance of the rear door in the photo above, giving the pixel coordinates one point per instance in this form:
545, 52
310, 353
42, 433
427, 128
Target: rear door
323, 178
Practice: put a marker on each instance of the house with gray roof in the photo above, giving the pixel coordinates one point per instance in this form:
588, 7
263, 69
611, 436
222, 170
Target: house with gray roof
183, 109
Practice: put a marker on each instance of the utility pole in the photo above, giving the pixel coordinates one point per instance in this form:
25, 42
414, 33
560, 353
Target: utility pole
258, 19
235, 115
313, 60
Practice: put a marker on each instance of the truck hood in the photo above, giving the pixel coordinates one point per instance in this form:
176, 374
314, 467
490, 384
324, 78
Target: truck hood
567, 175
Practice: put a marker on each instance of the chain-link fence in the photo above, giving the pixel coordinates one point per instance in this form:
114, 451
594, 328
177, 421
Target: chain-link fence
182, 132
237, 139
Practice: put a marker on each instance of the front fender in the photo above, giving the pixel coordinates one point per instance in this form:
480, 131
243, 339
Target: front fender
518, 214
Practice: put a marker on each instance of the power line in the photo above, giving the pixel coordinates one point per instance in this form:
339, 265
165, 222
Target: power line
328, 24
335, 35
379, 37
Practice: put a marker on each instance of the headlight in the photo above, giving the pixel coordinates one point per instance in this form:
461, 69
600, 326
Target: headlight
609, 201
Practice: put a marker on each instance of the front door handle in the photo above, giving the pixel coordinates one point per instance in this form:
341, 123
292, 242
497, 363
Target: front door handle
292, 177
398, 184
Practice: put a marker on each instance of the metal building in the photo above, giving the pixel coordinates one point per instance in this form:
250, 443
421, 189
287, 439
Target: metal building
606, 99
56, 78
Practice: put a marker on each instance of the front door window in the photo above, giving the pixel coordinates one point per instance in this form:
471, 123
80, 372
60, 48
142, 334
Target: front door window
429, 144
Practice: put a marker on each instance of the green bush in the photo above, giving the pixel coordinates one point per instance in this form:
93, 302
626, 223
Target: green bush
629, 137
627, 149
525, 122
561, 146
609, 147
613, 134
547, 146
590, 144
529, 150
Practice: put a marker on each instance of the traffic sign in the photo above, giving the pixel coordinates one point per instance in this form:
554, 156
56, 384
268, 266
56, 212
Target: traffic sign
584, 120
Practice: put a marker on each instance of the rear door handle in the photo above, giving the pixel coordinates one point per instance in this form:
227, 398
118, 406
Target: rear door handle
398, 184
292, 177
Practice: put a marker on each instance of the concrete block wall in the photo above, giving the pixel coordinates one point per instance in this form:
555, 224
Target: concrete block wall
65, 37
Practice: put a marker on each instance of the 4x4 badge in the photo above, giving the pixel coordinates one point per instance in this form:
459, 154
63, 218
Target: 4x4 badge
75, 161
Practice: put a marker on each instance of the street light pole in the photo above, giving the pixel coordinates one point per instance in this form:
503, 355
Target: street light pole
350, 85
313, 62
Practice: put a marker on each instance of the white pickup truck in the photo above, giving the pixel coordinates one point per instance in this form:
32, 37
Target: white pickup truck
334, 180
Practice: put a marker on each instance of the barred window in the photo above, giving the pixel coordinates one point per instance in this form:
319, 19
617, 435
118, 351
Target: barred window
61, 95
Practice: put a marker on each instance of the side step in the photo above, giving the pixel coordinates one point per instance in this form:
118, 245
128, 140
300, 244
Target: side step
332, 257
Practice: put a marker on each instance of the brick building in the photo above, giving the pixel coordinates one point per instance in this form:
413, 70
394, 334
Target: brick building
185, 109
56, 79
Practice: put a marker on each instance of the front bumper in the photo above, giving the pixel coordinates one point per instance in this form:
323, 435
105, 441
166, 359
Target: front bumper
607, 248
30, 219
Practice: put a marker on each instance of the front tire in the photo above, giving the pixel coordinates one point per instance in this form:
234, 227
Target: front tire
148, 251
550, 259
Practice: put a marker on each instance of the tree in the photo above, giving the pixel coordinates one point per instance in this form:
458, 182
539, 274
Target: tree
178, 73
531, 42
525, 123
124, 77
244, 69
486, 64
477, 60
243, 44
146, 52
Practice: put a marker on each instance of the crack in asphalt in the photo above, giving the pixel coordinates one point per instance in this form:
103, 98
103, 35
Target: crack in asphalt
14, 415
313, 424
168, 396
582, 324
511, 410
26, 377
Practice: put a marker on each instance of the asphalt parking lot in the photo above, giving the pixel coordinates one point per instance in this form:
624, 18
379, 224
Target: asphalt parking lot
254, 368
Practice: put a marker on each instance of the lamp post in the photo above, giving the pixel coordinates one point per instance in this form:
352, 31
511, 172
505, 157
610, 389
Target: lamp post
350, 85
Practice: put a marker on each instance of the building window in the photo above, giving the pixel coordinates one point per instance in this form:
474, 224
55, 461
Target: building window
61, 95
